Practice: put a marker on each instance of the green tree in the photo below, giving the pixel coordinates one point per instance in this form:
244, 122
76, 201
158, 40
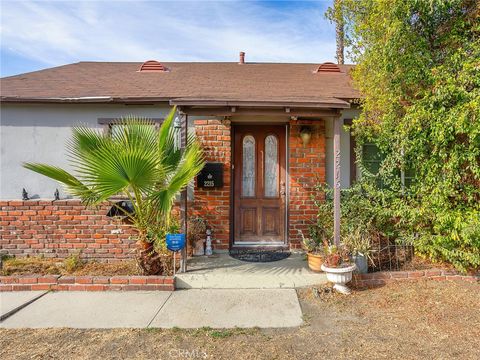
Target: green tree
139, 163
418, 69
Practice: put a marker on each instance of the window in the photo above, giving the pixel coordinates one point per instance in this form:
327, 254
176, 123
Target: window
248, 168
115, 129
271, 166
372, 159
408, 176
113, 125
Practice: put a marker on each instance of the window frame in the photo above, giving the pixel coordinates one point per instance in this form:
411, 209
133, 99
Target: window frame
407, 176
108, 122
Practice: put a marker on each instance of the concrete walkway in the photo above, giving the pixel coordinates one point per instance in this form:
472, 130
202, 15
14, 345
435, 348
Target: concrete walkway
221, 271
215, 308
10, 302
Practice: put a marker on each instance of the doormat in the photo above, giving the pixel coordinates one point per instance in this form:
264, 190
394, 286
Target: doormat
259, 255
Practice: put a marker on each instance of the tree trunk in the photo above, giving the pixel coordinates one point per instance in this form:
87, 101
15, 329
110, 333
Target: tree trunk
148, 260
339, 30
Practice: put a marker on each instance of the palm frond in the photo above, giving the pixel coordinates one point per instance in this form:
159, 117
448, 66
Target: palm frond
73, 185
135, 160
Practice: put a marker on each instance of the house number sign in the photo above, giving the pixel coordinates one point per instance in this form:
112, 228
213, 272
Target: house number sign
211, 176
175, 242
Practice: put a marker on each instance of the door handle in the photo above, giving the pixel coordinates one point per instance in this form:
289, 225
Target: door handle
283, 190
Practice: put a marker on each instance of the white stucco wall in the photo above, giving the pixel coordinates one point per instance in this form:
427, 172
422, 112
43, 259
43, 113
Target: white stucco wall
38, 133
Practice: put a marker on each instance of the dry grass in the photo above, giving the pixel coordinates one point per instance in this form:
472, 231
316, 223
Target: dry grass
408, 320
69, 266
419, 263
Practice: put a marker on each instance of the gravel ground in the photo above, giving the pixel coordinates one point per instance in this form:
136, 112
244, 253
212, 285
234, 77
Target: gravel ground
405, 320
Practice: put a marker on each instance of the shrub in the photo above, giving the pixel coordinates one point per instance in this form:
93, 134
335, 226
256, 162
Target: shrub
73, 263
420, 105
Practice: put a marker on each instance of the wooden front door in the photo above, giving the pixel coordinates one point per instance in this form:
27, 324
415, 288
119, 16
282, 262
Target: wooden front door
259, 185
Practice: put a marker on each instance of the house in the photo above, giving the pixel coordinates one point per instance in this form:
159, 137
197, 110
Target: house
270, 126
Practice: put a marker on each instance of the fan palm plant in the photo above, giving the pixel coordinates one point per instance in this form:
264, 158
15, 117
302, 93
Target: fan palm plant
137, 162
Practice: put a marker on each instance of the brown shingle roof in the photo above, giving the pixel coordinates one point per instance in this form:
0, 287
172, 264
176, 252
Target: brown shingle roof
122, 82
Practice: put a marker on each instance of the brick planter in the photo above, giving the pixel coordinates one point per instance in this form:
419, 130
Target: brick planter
384, 277
86, 283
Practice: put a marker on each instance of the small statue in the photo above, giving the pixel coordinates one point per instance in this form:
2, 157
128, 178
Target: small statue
56, 194
208, 250
25, 194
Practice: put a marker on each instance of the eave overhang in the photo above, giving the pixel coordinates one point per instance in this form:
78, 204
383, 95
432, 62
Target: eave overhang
316, 103
85, 100
312, 108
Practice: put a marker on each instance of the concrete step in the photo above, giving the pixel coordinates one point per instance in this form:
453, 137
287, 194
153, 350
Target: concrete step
247, 281
221, 271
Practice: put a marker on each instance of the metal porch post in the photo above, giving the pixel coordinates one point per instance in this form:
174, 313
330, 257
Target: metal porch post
336, 181
184, 199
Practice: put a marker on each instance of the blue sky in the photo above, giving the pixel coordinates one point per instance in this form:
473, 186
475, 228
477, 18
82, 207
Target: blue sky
40, 34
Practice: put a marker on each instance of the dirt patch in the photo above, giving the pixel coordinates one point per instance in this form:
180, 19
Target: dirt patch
414, 263
418, 263
407, 320
69, 266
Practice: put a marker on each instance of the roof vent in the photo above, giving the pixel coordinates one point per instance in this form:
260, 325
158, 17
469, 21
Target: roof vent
152, 66
328, 67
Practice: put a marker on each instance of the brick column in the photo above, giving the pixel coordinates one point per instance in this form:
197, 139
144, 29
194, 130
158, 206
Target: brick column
214, 204
306, 170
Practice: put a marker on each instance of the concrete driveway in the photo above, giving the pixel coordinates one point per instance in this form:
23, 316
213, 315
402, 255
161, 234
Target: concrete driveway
215, 308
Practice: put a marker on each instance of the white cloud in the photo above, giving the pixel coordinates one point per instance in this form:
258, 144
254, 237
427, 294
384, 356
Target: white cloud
62, 32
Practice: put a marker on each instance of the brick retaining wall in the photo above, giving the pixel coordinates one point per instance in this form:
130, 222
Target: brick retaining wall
384, 277
60, 228
86, 283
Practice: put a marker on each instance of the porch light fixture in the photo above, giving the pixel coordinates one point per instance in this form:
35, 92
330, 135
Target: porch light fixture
177, 123
306, 134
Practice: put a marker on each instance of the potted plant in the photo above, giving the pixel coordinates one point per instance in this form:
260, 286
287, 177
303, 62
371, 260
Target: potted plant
338, 267
197, 228
358, 244
315, 255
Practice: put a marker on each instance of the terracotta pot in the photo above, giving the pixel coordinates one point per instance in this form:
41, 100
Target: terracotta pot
315, 262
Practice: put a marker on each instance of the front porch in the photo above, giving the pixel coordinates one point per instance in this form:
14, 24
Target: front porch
221, 271
272, 157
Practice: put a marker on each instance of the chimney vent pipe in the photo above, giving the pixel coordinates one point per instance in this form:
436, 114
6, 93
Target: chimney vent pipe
242, 58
